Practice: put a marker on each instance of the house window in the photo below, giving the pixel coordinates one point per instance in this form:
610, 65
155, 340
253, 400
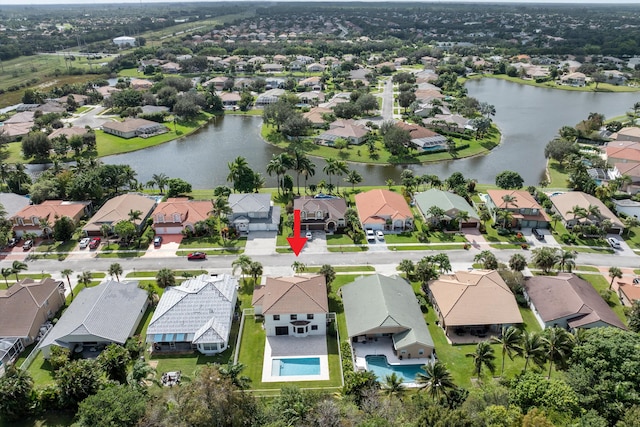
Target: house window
294, 317
276, 317
309, 316
20, 221
35, 220
303, 215
301, 330
314, 327
176, 217
421, 351
210, 346
160, 217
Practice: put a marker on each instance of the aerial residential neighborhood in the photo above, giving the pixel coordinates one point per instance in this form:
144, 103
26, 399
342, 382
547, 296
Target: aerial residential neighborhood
319, 214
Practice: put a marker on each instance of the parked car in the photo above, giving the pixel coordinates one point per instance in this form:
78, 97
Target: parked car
13, 241
27, 245
538, 235
95, 242
309, 236
84, 243
370, 235
613, 242
380, 235
157, 241
196, 255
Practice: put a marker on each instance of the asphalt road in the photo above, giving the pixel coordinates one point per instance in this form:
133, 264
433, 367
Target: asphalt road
279, 263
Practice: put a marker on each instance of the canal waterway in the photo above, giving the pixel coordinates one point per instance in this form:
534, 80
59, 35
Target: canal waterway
528, 117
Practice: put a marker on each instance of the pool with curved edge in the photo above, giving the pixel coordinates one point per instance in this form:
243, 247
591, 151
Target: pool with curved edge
379, 366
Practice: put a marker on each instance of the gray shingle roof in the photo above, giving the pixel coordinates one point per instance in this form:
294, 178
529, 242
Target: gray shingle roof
108, 311
377, 301
200, 310
251, 202
448, 202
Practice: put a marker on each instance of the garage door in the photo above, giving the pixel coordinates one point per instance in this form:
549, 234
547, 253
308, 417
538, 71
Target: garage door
282, 330
169, 230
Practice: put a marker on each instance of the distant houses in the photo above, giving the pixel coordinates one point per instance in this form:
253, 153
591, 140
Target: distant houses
130, 128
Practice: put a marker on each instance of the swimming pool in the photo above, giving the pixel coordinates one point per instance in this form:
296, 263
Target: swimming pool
295, 366
379, 366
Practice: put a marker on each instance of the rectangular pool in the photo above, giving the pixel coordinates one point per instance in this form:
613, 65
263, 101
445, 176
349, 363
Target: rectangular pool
379, 366
295, 366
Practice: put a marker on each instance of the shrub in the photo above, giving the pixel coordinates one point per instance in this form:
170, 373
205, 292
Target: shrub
59, 357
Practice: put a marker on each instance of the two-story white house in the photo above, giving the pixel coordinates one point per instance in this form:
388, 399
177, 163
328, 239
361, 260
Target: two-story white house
296, 306
253, 212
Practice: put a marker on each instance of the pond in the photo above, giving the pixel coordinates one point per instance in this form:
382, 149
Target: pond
528, 117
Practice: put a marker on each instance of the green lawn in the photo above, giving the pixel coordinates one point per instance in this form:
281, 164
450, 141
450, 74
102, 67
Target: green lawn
558, 174
601, 284
115, 253
347, 248
560, 229
237, 251
425, 247
493, 236
361, 154
41, 371
338, 239
178, 273
344, 269
212, 242
632, 237
54, 250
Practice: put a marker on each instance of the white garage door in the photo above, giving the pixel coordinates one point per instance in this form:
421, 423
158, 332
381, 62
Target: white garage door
169, 230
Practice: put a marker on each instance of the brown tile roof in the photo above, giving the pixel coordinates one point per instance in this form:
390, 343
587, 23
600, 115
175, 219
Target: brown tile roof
417, 131
315, 114
566, 201
631, 291
568, 296
626, 132
189, 210
336, 207
630, 169
51, 208
373, 204
68, 132
22, 117
19, 305
478, 297
297, 294
128, 125
118, 208
524, 200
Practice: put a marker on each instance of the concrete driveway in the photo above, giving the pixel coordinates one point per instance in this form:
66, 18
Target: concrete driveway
261, 243
318, 245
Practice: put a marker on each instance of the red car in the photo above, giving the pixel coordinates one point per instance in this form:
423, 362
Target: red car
95, 242
197, 255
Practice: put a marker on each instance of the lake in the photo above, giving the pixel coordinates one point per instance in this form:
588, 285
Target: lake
528, 117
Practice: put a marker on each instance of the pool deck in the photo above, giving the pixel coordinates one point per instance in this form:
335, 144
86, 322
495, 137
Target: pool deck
291, 348
382, 347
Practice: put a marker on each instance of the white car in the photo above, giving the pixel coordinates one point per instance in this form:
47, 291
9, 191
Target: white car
309, 236
380, 235
84, 243
614, 243
370, 235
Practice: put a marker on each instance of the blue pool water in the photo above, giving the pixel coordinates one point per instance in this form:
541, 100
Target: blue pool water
295, 366
379, 366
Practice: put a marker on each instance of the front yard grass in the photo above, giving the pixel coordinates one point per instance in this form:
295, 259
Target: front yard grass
237, 251
211, 242
339, 239
344, 268
178, 273
600, 284
632, 237
53, 250
560, 229
347, 248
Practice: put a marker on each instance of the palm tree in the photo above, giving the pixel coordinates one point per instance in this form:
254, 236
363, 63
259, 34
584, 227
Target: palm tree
389, 183
594, 211
578, 213
566, 259
555, 218
532, 349
85, 278
45, 226
407, 267
233, 372
242, 262
436, 380
298, 267
275, 166
302, 165
353, 178
485, 216
614, 273
221, 210
134, 215
558, 345
436, 213
393, 384
236, 169
115, 269
483, 356
161, 180
509, 339
509, 199
165, 277
66, 273
17, 267
255, 270
329, 168
463, 216
517, 262
341, 168
505, 216
6, 272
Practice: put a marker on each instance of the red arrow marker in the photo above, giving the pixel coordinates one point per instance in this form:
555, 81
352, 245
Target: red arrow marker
296, 242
